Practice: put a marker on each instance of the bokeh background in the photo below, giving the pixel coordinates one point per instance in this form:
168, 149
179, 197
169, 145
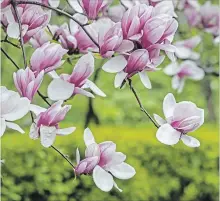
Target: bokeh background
164, 173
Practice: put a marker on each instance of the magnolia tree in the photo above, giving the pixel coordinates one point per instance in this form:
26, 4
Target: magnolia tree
133, 38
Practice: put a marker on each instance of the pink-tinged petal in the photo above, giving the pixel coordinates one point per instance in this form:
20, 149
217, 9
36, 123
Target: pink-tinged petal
21, 109
78, 90
171, 69
190, 141
134, 27
66, 131
3, 126
54, 3
77, 156
119, 78
145, 79
116, 186
59, 89
13, 30
107, 145
88, 137
47, 135
115, 64
91, 163
189, 124
81, 167
34, 132
36, 109
14, 127
166, 134
169, 104
92, 150
95, 89
122, 171
115, 159
102, 179
159, 119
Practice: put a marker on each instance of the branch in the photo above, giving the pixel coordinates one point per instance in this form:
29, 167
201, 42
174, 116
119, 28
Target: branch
13, 3
140, 104
43, 97
9, 58
63, 13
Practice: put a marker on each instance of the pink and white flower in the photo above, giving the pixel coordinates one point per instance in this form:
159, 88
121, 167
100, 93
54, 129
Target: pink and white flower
103, 162
52, 3
187, 69
181, 118
46, 124
184, 48
66, 86
27, 83
13, 107
47, 57
33, 19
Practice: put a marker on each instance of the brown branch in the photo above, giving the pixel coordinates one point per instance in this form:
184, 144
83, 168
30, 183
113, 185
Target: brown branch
9, 58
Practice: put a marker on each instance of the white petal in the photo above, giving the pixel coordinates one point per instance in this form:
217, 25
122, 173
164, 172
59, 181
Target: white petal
168, 135
92, 150
183, 52
159, 120
119, 78
190, 141
54, 3
14, 127
122, 171
76, 6
102, 179
66, 131
175, 82
115, 64
34, 132
83, 92
47, 135
13, 30
169, 103
77, 156
116, 186
171, 69
145, 79
36, 109
59, 89
3, 126
95, 89
53, 74
88, 137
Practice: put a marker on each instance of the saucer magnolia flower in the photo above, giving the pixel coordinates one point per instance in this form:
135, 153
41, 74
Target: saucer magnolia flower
187, 69
181, 118
27, 83
68, 85
33, 19
103, 162
12, 108
184, 48
53, 3
136, 62
47, 57
4, 4
40, 38
46, 126
134, 20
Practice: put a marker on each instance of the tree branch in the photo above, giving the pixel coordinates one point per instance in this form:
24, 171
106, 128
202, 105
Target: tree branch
9, 58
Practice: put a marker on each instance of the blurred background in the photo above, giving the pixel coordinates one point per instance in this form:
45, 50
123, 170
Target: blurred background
164, 173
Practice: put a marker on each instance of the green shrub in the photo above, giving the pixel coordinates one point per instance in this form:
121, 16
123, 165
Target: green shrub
179, 173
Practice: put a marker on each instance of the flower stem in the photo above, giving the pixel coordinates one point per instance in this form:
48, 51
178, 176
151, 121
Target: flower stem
140, 104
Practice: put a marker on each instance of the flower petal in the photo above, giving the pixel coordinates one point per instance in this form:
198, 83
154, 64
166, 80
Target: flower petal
95, 89
116, 186
77, 156
88, 137
3, 126
14, 127
54, 3
102, 179
59, 89
92, 150
145, 79
125, 46
119, 78
34, 134
13, 30
168, 135
47, 135
66, 131
190, 141
83, 92
159, 120
122, 171
169, 103
115, 64
36, 109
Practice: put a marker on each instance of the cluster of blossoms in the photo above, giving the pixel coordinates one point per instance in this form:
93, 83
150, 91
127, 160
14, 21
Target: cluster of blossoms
133, 41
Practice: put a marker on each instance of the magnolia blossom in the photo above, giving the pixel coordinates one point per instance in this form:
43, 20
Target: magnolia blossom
47, 57
181, 118
65, 86
103, 162
127, 66
184, 48
186, 4
12, 108
4, 4
116, 12
30, 25
53, 3
27, 83
40, 38
46, 126
187, 69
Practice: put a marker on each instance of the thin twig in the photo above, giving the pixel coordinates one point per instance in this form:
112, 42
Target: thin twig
43, 97
20, 30
9, 42
140, 104
63, 13
12, 61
